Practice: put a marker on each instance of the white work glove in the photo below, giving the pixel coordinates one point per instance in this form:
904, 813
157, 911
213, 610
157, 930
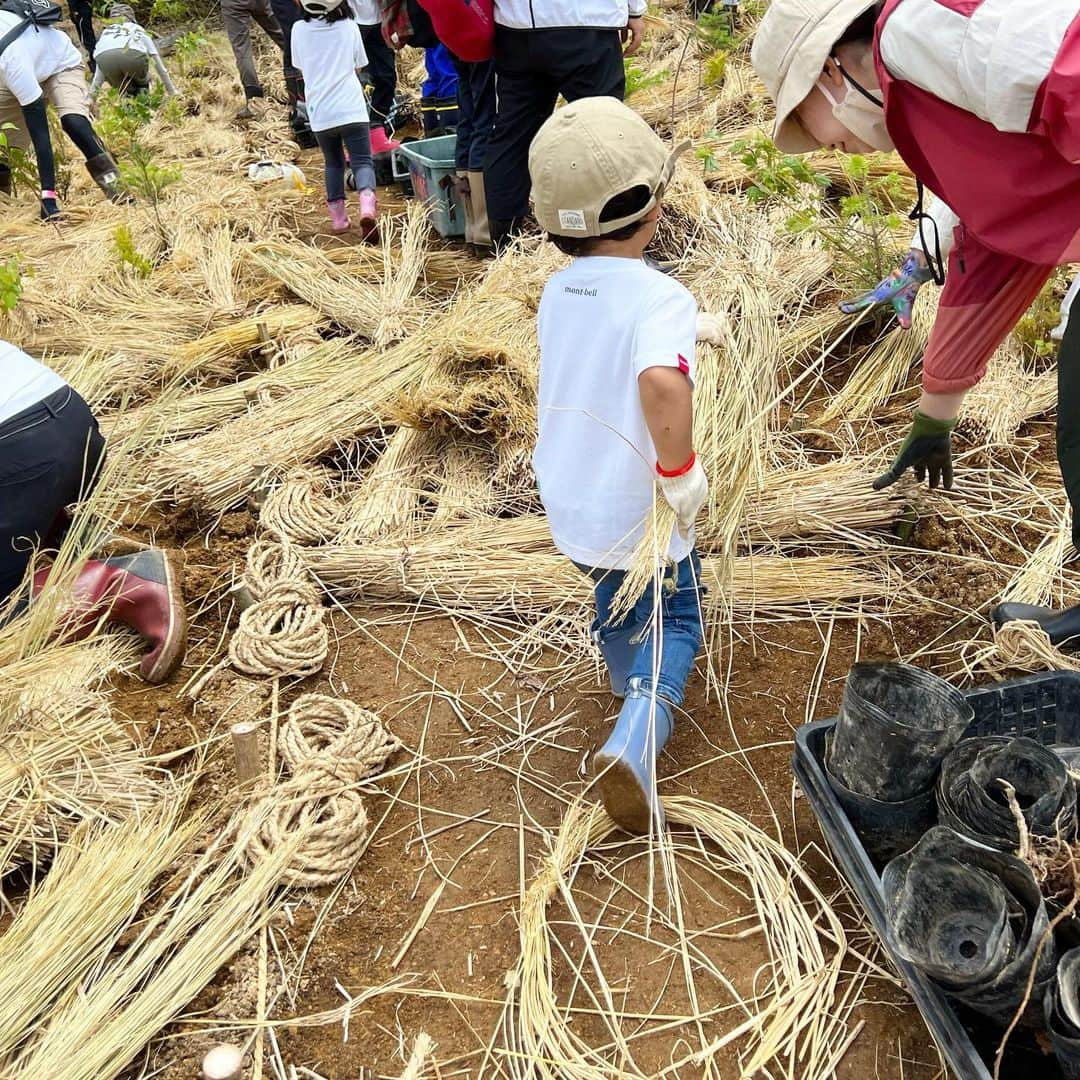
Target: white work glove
685, 494
711, 328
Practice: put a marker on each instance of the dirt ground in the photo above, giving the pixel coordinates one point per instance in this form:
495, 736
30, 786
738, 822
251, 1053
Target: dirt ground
462, 815
464, 805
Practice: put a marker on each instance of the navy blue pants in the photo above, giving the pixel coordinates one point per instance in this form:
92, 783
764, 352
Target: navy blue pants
476, 112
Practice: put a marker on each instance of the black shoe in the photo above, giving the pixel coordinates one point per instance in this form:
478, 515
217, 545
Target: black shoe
1060, 626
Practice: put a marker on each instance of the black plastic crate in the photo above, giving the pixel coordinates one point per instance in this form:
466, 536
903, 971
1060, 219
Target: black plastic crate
1043, 707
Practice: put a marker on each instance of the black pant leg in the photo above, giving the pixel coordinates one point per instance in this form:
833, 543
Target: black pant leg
525, 98
286, 13
1068, 415
482, 95
82, 15
382, 68
52, 462
589, 63
465, 114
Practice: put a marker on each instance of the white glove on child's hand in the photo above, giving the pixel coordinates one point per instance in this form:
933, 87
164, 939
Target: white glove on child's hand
710, 328
685, 494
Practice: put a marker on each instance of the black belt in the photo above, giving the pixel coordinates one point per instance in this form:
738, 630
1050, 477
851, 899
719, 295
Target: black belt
48, 408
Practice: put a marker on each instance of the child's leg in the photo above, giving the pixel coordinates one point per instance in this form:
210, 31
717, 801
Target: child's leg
358, 140
662, 662
666, 655
330, 143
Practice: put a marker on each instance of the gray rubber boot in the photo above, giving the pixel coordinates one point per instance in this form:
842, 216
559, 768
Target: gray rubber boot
625, 766
103, 171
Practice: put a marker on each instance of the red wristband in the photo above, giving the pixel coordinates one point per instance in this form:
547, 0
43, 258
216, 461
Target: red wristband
669, 473
49, 195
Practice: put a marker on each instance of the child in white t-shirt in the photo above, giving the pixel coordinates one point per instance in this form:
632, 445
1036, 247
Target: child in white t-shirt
328, 49
617, 342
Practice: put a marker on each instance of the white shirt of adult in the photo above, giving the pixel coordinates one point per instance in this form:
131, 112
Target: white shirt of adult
34, 56
23, 381
329, 55
567, 14
602, 322
366, 12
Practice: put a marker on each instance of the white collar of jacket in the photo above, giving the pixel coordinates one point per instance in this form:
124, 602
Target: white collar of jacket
567, 14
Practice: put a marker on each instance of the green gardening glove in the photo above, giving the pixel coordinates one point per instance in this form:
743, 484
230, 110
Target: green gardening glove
928, 450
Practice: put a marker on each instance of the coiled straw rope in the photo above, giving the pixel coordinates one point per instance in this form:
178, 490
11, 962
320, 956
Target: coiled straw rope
283, 632
301, 512
331, 746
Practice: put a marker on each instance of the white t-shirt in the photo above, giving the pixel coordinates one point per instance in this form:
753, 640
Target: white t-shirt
602, 322
126, 35
34, 56
329, 54
23, 381
366, 12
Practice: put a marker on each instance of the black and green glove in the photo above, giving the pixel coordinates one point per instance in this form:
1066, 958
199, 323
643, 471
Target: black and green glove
928, 450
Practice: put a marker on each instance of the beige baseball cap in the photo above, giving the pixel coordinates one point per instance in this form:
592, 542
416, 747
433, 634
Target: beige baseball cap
790, 48
587, 153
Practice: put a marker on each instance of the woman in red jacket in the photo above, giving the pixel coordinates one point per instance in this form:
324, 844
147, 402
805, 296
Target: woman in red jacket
982, 101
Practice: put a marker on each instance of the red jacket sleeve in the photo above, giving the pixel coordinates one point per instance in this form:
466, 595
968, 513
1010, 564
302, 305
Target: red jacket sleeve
985, 296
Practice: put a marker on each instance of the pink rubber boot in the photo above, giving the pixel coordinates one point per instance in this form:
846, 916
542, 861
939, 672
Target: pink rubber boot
339, 216
369, 216
380, 143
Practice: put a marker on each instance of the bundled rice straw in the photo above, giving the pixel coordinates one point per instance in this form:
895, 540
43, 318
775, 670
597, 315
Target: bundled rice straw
798, 1017
885, 368
511, 565
388, 501
221, 352
178, 950
66, 760
91, 894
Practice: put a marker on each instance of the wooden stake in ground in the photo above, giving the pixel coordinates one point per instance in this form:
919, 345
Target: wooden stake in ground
245, 738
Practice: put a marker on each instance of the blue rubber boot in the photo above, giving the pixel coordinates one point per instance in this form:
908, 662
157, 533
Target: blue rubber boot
618, 650
625, 765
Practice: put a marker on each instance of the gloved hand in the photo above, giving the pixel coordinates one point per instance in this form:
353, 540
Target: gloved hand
710, 328
899, 290
685, 491
50, 208
928, 450
462, 186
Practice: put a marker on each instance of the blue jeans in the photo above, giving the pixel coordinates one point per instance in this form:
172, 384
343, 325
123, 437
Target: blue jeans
681, 633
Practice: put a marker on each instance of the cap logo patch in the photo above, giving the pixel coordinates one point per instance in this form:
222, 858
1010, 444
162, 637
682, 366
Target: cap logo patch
572, 219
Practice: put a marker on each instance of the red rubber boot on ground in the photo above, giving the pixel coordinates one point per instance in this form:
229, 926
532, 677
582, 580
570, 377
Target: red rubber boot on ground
141, 591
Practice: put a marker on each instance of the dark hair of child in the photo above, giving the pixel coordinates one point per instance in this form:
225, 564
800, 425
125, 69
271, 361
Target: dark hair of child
342, 11
862, 29
622, 205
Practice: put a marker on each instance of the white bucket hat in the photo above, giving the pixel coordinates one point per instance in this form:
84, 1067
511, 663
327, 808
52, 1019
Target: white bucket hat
791, 45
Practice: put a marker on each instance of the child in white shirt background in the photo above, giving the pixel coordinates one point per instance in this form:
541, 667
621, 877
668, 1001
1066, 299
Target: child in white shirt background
328, 49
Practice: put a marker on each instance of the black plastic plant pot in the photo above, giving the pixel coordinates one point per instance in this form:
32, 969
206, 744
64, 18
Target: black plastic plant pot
944, 919
1064, 1038
972, 791
896, 725
886, 829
